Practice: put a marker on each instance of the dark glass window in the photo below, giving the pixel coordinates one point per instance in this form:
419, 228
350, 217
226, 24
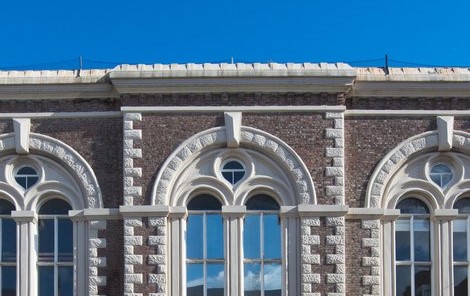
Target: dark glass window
55, 258
233, 171
7, 249
441, 174
26, 177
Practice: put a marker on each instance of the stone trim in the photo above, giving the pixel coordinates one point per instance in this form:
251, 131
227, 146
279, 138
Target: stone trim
130, 259
308, 258
220, 109
95, 242
129, 154
374, 262
159, 243
394, 159
338, 258
336, 170
251, 138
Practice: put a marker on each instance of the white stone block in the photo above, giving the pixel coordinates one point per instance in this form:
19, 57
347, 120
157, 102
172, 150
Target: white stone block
133, 278
132, 116
370, 280
154, 240
97, 243
156, 259
334, 115
310, 239
133, 222
370, 242
133, 153
334, 152
311, 259
335, 240
311, 278
335, 221
98, 262
133, 259
311, 221
334, 259
334, 171
161, 221
159, 279
133, 240
333, 278
332, 133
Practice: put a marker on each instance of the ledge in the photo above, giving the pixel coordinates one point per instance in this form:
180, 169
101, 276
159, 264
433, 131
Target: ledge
322, 210
144, 211
365, 213
24, 216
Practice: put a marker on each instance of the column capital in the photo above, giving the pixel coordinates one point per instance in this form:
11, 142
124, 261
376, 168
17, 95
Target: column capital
24, 216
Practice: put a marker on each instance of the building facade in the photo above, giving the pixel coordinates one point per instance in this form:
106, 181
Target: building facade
235, 179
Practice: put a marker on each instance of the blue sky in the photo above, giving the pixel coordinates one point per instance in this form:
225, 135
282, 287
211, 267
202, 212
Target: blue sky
53, 34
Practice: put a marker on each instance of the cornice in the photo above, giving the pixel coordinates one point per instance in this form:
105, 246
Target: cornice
57, 91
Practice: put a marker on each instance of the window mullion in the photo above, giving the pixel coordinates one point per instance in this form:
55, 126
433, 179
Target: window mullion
204, 252
262, 252
56, 248
412, 253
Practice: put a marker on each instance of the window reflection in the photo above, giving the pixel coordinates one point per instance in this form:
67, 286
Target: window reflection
262, 247
460, 244
205, 247
55, 258
413, 249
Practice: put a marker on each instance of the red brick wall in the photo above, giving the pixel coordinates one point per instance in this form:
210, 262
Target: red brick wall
64, 105
354, 254
408, 103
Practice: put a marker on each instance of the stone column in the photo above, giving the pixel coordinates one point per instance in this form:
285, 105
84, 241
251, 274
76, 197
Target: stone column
26, 269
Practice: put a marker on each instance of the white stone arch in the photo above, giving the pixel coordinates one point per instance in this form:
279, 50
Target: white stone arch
251, 139
393, 161
70, 160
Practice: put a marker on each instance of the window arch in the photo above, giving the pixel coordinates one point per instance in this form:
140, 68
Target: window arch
55, 249
413, 261
205, 256
262, 247
461, 243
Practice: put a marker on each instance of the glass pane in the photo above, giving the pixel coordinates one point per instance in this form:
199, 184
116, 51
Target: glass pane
194, 280
272, 237
251, 237
422, 280
272, 279
46, 280
215, 237
21, 181
194, 237
237, 176
26, 171
65, 240
262, 202
460, 281
422, 240
46, 240
460, 240
65, 283
55, 207
463, 205
233, 165
8, 281
215, 280
252, 280
228, 176
6, 207
403, 282
402, 240
31, 181
204, 202
8, 240
412, 206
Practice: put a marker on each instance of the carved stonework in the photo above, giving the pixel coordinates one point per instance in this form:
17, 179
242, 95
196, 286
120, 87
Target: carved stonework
250, 138
68, 157
391, 162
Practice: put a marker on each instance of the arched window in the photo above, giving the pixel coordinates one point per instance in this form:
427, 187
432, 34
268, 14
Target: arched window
7, 249
205, 258
55, 249
262, 247
412, 249
461, 242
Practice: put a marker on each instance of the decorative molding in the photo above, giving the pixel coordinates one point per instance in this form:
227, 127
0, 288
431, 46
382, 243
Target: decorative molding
427, 141
445, 128
250, 138
309, 226
21, 127
144, 211
93, 114
336, 170
407, 113
68, 157
129, 154
244, 109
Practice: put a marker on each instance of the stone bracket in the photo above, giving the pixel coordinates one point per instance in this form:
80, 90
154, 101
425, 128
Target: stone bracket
445, 128
233, 123
21, 128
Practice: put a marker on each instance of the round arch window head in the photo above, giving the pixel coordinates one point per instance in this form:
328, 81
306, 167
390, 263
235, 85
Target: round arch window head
26, 177
441, 174
233, 171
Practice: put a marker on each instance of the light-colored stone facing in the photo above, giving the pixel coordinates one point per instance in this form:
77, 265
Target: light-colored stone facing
159, 243
337, 259
94, 243
308, 278
372, 280
131, 259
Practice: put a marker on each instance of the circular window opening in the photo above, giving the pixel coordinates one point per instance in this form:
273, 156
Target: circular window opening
233, 171
26, 177
441, 174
